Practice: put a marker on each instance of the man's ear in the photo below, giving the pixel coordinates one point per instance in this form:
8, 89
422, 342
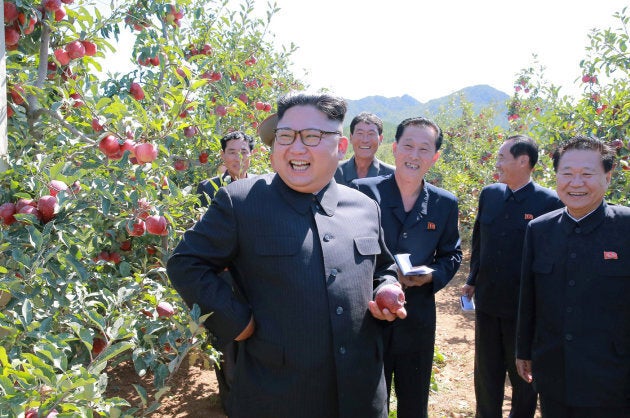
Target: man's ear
436, 156
343, 146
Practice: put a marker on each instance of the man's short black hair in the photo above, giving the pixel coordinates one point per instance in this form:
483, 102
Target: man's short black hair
606, 152
237, 135
420, 121
524, 145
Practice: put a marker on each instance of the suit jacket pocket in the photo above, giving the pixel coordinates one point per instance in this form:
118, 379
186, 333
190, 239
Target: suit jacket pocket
367, 245
267, 353
276, 245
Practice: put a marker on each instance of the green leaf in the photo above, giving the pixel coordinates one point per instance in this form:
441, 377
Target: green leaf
35, 237
109, 353
27, 312
144, 398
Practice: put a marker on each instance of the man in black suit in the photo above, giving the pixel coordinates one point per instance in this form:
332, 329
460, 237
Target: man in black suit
309, 329
573, 334
366, 135
420, 219
236, 150
505, 209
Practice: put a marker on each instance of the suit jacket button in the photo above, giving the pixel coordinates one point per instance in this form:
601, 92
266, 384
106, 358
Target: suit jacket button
568, 337
404, 235
327, 237
339, 310
342, 350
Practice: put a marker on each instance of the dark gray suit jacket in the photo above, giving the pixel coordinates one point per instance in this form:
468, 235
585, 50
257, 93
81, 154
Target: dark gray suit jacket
347, 170
307, 266
574, 315
429, 233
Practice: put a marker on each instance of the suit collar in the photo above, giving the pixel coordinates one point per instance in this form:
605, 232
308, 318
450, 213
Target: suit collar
327, 198
521, 194
391, 194
350, 170
586, 224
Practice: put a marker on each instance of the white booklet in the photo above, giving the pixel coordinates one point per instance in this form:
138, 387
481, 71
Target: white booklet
402, 260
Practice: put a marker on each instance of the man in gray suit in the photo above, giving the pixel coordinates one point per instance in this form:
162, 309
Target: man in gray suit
366, 135
310, 330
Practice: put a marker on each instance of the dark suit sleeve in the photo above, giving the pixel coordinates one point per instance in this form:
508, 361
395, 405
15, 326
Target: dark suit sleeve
448, 254
475, 255
526, 307
385, 268
194, 267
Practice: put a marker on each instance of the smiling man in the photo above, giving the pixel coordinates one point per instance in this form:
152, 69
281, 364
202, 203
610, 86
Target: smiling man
420, 219
310, 331
366, 135
573, 332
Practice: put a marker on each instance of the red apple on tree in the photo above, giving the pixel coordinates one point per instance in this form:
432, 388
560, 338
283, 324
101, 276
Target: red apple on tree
220, 111
390, 297
30, 210
27, 27
136, 91
47, 206
165, 310
97, 124
156, 225
203, 157
62, 56
10, 12
7, 210
56, 186
17, 94
98, 345
90, 48
190, 131
75, 50
180, 165
11, 36
109, 145
60, 13
146, 152
136, 228
52, 5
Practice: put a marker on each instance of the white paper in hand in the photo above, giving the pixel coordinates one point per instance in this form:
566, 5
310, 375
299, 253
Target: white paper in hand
402, 260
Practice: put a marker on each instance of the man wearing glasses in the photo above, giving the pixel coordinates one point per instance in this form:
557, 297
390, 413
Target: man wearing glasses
366, 135
310, 330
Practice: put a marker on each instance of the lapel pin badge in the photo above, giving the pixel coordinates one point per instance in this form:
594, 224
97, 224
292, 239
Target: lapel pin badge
610, 255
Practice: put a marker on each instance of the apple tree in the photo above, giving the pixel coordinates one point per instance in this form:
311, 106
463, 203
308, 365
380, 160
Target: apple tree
103, 169
602, 110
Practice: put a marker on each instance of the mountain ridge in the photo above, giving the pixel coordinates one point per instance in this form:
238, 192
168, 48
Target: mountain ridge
392, 110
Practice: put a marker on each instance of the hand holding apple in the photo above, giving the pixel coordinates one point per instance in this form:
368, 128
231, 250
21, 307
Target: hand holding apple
389, 303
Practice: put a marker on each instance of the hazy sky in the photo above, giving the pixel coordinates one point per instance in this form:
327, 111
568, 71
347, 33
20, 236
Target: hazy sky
359, 48
429, 49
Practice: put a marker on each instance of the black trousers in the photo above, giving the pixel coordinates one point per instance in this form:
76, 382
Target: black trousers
411, 374
495, 340
225, 374
551, 408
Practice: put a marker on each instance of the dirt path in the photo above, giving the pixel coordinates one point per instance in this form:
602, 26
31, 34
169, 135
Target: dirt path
195, 391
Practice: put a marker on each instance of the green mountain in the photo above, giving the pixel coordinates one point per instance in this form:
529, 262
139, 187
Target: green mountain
395, 109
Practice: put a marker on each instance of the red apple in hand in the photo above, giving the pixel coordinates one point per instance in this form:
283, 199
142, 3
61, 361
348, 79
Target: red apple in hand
390, 297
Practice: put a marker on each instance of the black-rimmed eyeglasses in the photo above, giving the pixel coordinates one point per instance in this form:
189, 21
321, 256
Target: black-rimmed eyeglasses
309, 137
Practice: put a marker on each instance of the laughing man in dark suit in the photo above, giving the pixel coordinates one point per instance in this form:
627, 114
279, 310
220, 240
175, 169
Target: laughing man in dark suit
311, 332
573, 333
